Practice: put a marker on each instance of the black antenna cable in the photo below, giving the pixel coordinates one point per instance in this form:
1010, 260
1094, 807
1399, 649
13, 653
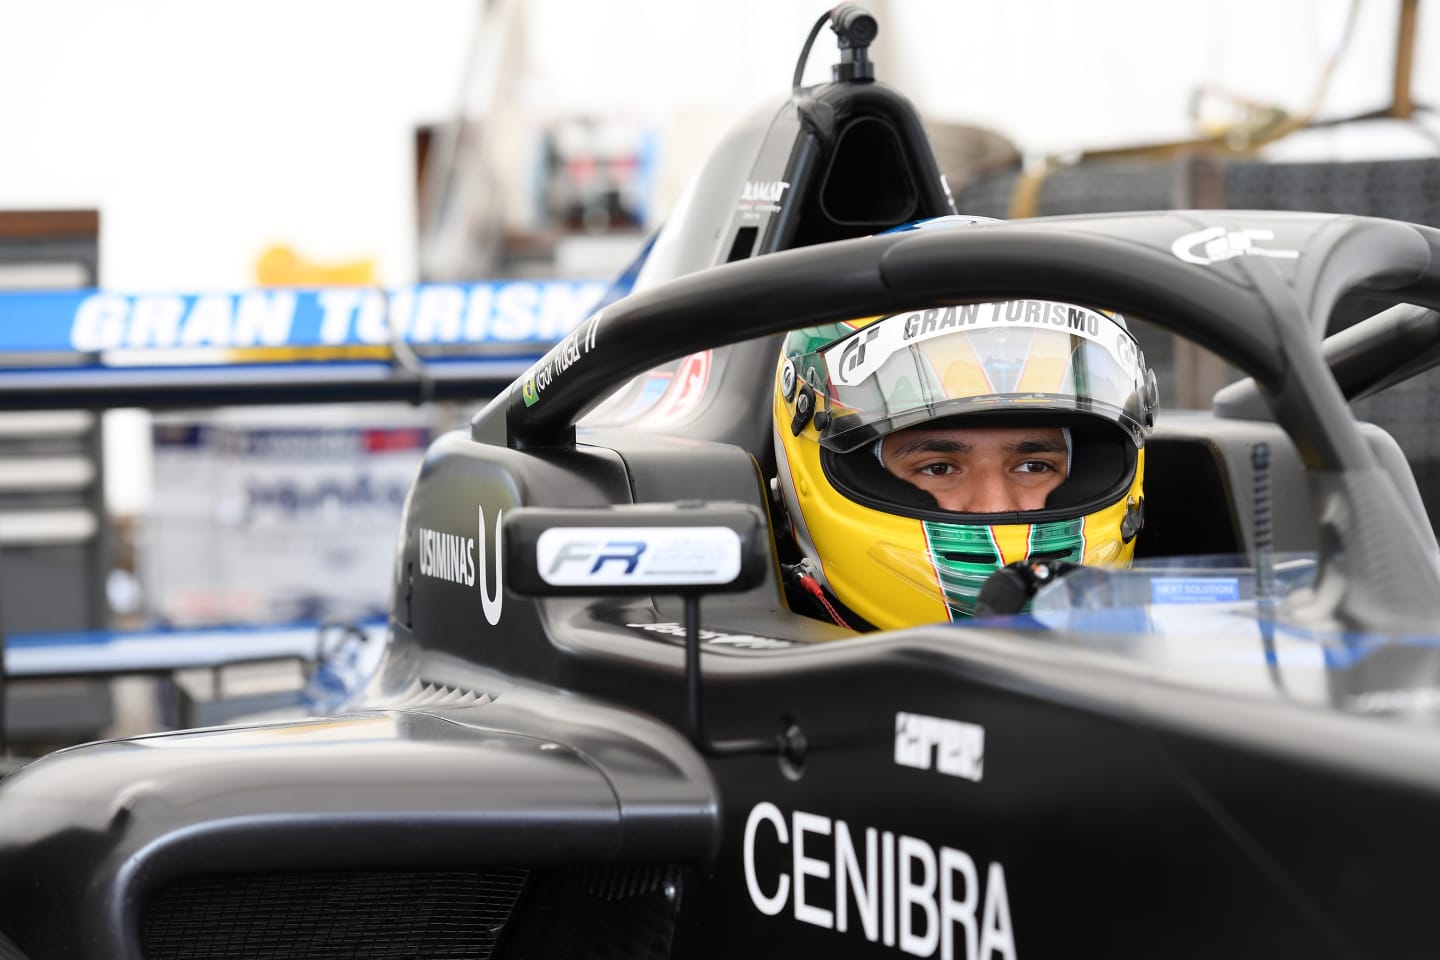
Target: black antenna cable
805, 50
856, 30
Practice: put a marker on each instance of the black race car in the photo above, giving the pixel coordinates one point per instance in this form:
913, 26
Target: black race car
568, 753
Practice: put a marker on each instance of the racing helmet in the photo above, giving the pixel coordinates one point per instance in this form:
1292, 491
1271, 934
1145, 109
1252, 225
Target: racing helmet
883, 546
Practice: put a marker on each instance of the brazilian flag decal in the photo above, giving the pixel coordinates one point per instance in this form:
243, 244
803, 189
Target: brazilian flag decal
965, 554
529, 393
1060, 540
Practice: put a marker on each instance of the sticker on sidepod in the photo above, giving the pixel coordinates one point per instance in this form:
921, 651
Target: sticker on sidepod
952, 747
464, 560
716, 638
638, 556
1417, 700
761, 196
892, 889
1194, 589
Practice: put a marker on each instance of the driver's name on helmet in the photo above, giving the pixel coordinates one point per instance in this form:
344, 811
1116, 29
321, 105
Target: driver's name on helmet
920, 452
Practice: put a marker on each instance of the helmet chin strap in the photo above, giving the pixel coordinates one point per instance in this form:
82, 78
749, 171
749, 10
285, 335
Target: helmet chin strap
879, 448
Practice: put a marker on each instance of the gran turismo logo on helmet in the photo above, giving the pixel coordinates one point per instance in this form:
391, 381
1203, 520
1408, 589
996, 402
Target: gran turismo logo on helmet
854, 354
1216, 245
859, 356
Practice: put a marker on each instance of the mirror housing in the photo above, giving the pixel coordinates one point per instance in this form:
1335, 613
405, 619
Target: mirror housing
689, 548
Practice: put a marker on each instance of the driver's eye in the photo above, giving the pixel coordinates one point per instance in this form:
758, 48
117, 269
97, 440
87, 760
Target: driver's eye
940, 469
1035, 466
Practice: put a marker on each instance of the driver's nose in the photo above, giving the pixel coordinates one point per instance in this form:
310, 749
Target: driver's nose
986, 489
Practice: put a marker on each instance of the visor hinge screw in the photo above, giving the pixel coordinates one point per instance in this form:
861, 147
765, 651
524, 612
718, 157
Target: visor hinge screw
788, 380
804, 407
1133, 520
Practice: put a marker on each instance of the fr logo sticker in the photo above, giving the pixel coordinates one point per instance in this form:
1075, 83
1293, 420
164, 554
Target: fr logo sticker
649, 556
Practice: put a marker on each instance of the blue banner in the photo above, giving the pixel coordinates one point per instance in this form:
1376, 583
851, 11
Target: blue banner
282, 324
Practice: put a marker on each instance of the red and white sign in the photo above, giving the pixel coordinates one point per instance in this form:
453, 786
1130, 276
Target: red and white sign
686, 389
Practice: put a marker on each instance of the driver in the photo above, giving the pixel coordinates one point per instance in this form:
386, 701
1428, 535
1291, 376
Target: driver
919, 453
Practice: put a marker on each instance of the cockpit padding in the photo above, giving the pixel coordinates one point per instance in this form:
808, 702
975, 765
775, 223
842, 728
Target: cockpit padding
1200, 486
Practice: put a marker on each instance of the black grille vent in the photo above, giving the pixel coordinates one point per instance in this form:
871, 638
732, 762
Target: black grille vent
437, 695
329, 916
598, 913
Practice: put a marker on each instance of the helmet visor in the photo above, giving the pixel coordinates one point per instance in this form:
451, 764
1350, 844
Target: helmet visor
1016, 356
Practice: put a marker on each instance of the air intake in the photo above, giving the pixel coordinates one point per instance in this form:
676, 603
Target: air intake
333, 916
571, 913
869, 183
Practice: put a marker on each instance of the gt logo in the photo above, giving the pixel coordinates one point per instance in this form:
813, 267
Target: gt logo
626, 552
854, 354
1216, 245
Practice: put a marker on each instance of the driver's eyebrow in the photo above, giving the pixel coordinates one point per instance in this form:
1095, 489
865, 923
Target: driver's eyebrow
1037, 445
931, 445
949, 445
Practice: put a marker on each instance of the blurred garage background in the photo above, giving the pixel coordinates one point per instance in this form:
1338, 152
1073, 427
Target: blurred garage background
159, 148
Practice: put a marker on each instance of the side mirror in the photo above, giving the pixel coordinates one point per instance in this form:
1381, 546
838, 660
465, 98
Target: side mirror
689, 548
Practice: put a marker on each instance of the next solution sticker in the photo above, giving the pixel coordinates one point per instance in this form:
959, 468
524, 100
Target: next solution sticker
1194, 589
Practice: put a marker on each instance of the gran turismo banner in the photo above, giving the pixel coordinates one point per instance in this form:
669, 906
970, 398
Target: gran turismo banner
280, 325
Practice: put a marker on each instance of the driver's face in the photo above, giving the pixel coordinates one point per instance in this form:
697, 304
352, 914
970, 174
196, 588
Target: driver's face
982, 469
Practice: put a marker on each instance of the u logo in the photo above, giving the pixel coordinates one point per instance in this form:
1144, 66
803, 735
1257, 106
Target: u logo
491, 604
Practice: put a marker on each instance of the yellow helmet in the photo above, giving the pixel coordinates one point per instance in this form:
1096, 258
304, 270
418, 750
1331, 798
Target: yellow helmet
882, 546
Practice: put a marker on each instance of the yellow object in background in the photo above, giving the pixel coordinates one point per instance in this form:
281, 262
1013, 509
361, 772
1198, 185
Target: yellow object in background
281, 266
